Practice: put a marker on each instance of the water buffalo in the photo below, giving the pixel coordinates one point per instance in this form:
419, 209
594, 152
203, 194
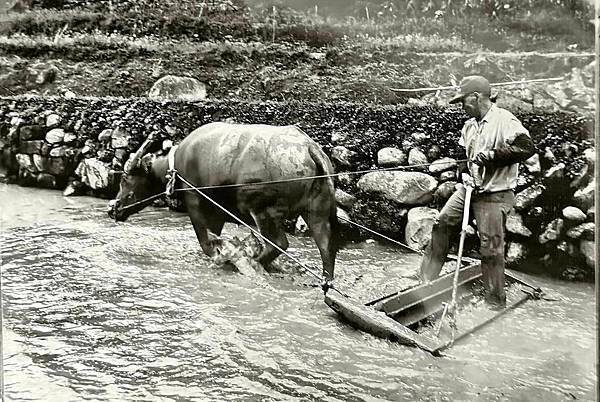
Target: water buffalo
223, 154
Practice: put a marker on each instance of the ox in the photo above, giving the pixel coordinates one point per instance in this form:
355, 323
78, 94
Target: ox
219, 154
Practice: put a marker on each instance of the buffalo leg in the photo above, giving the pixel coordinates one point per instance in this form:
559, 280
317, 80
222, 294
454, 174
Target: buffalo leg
320, 226
272, 230
202, 223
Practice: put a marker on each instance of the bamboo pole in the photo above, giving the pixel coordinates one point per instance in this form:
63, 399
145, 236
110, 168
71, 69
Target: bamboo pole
496, 84
597, 176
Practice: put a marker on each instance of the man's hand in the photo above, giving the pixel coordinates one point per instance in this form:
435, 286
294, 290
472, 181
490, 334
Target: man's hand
484, 158
468, 180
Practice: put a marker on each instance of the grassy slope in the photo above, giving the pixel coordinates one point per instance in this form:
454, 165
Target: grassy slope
312, 57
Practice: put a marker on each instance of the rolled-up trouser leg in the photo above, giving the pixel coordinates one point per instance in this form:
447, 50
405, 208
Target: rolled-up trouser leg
446, 225
490, 213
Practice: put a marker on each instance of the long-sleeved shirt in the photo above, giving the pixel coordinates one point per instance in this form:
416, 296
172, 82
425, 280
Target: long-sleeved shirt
499, 131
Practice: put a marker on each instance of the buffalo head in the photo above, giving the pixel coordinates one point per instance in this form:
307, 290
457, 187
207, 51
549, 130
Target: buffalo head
137, 185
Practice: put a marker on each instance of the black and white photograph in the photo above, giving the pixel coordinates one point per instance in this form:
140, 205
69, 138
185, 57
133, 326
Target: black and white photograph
299, 200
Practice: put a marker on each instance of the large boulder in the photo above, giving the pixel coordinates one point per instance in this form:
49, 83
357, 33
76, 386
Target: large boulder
174, 87
441, 165
391, 157
93, 173
552, 232
584, 231
573, 214
588, 249
515, 253
584, 197
514, 224
344, 199
526, 198
342, 155
416, 157
418, 227
412, 188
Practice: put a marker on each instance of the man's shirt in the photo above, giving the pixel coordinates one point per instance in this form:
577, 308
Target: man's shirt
497, 129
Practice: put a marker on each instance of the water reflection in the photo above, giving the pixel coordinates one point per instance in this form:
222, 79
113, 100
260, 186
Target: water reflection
96, 310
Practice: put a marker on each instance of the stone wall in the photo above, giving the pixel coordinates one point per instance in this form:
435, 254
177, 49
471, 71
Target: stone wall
77, 144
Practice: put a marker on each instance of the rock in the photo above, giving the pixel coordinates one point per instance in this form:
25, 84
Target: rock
104, 135
434, 153
419, 138
549, 155
533, 164
119, 138
53, 120
30, 147
34, 132
75, 187
345, 179
584, 231
174, 87
68, 94
46, 180
407, 144
444, 191
590, 156
41, 162
448, 175
588, 249
556, 172
300, 227
69, 138
391, 157
584, 198
591, 214
412, 188
25, 162
93, 173
58, 151
47, 75
516, 253
342, 155
57, 166
55, 136
419, 225
343, 218
416, 157
573, 214
16, 122
552, 232
344, 199
442, 164
338, 137
526, 198
514, 224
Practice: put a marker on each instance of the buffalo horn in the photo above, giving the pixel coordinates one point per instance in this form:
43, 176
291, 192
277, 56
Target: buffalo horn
134, 160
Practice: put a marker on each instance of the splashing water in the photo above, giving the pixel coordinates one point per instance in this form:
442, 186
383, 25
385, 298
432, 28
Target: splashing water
98, 310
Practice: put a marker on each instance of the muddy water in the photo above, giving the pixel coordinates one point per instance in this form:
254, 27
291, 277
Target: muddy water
95, 310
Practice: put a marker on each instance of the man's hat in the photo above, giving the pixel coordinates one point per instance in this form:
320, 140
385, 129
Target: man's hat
470, 84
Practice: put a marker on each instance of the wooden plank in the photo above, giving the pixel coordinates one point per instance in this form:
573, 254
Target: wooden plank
376, 323
395, 303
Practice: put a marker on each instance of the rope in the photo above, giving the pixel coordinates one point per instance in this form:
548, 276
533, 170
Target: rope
496, 84
318, 176
257, 233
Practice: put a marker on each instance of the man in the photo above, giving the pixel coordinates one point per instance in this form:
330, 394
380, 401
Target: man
495, 142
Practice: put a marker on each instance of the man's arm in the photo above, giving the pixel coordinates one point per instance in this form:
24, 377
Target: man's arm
521, 149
